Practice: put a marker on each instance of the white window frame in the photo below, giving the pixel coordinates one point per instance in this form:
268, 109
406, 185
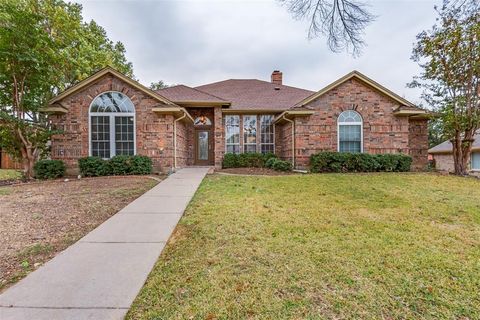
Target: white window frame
239, 133
111, 116
244, 132
260, 126
350, 124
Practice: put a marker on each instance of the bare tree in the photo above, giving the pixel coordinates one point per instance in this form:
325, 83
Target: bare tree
343, 22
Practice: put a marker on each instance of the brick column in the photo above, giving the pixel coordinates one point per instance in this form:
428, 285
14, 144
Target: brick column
219, 142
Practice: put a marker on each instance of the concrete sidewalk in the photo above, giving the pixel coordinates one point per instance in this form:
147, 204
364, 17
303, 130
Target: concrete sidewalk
99, 276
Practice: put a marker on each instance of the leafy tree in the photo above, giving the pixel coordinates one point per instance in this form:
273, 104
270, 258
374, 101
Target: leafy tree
158, 85
45, 47
435, 133
449, 55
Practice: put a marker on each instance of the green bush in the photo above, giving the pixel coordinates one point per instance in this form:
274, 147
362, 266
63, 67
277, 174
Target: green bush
246, 160
118, 165
359, 162
49, 169
230, 160
269, 163
94, 167
404, 163
281, 165
141, 165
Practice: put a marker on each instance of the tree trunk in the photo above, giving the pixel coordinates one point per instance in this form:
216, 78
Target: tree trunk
28, 161
462, 148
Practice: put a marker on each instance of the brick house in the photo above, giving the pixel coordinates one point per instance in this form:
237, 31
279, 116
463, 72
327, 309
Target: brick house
109, 114
442, 155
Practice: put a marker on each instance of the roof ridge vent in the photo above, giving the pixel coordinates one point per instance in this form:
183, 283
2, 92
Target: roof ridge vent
277, 88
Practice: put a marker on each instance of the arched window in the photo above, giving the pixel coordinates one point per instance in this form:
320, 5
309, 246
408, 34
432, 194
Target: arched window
350, 132
202, 121
112, 125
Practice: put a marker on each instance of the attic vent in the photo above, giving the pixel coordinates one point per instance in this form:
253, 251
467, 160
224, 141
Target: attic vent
277, 88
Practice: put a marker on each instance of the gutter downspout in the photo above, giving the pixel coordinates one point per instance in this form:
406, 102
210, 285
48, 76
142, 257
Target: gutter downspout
293, 139
175, 140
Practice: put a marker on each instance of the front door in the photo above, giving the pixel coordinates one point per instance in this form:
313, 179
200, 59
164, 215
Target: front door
203, 147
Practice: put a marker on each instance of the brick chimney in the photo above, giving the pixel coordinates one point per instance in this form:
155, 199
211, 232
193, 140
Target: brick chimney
277, 77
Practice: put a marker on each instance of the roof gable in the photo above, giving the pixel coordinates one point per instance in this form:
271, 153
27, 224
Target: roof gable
109, 70
362, 78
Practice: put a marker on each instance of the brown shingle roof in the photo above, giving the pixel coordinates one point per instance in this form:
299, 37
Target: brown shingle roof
252, 94
446, 146
182, 93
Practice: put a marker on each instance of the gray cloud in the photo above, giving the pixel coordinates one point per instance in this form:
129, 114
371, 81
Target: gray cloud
196, 42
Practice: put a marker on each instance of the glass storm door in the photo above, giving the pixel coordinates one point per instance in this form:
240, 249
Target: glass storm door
202, 152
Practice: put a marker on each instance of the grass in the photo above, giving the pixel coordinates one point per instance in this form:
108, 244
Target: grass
7, 174
337, 246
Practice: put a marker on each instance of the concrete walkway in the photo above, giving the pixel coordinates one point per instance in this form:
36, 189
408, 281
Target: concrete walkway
99, 276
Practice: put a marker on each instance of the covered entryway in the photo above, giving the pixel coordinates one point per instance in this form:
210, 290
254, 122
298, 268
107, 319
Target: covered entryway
203, 141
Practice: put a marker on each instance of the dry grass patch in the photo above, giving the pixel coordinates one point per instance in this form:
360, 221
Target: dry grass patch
332, 246
40, 219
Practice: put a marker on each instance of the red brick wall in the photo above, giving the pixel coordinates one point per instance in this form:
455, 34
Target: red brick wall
154, 133
219, 132
283, 141
382, 131
418, 143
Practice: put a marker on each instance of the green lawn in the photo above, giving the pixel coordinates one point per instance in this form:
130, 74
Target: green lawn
7, 174
331, 246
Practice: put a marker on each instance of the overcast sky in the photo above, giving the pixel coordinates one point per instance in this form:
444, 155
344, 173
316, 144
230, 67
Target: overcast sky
197, 42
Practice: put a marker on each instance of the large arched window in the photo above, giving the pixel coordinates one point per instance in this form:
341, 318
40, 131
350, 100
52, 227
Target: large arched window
112, 125
350, 132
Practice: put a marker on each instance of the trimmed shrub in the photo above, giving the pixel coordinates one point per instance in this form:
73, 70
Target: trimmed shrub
141, 165
246, 160
118, 165
404, 163
49, 169
281, 165
230, 160
94, 167
359, 162
269, 163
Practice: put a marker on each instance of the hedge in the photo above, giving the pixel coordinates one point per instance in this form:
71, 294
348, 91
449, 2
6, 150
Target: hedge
49, 169
255, 160
281, 165
118, 165
246, 160
359, 162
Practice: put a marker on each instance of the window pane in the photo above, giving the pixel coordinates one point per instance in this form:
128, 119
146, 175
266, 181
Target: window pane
232, 134
476, 161
100, 133
250, 129
350, 116
112, 102
233, 149
203, 145
267, 134
350, 137
124, 144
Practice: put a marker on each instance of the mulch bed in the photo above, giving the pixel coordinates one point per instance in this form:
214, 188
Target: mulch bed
254, 171
40, 219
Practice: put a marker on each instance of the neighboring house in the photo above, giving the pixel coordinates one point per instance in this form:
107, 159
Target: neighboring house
7, 162
442, 154
109, 114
